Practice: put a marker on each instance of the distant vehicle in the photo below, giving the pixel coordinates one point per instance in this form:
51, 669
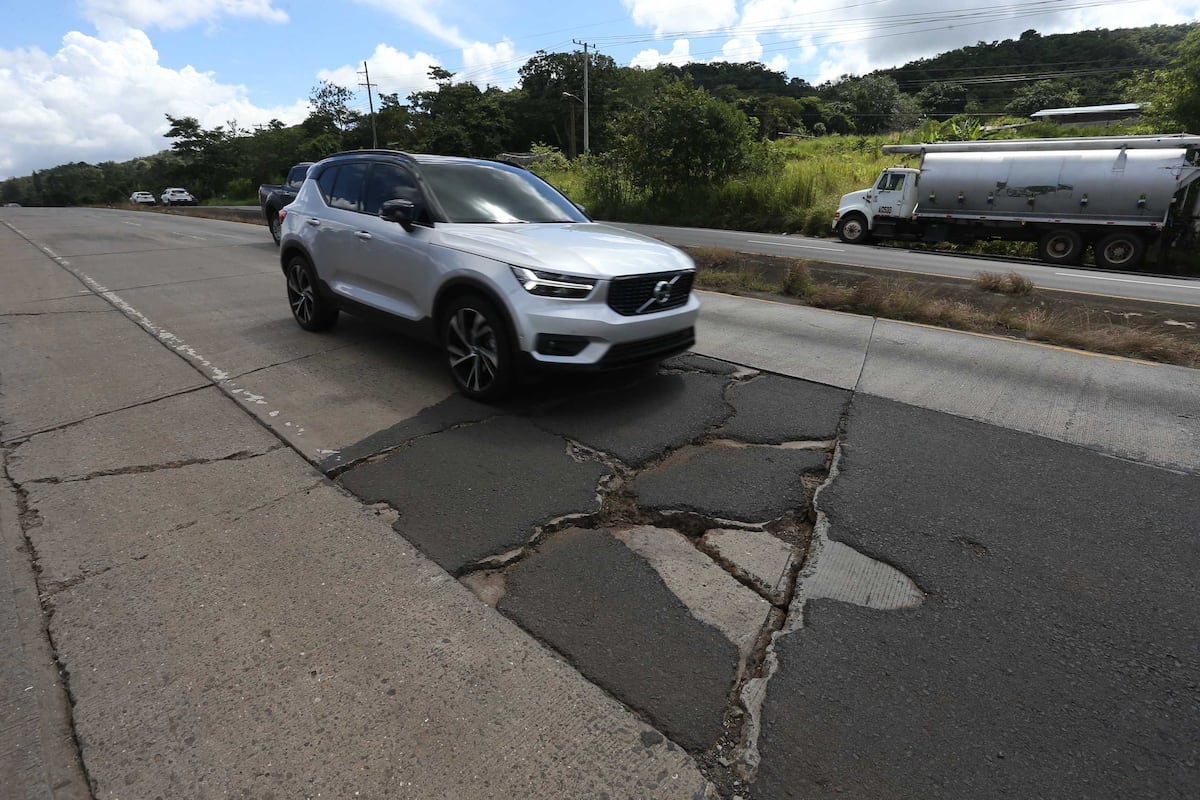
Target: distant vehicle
12, 205
142, 199
486, 259
177, 197
1120, 195
272, 197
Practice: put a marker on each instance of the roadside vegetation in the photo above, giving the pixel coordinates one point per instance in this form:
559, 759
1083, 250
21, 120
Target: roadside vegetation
997, 304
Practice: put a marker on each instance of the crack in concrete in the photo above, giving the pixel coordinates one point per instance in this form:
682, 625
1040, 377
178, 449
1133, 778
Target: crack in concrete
266, 504
294, 360
4, 314
25, 437
142, 469
46, 604
333, 473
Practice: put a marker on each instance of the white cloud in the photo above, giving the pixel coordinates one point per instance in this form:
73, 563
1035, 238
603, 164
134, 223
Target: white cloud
99, 100
679, 55
175, 14
490, 65
742, 48
855, 40
391, 71
674, 16
482, 64
424, 16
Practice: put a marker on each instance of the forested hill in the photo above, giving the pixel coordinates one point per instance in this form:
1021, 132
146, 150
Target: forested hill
1092, 63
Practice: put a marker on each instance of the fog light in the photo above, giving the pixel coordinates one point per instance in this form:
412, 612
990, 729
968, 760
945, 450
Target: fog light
555, 345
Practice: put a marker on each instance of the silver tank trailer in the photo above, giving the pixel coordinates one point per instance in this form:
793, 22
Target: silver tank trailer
1131, 187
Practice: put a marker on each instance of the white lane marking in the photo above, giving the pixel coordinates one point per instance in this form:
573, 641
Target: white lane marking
804, 246
1127, 280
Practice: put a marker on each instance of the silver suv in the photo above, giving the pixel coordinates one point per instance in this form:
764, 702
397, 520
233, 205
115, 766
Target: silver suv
485, 259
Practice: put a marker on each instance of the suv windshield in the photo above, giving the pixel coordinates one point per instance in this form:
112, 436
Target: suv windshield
493, 193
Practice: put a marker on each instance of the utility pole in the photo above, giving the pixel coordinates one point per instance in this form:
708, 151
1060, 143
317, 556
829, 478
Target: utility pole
586, 145
371, 105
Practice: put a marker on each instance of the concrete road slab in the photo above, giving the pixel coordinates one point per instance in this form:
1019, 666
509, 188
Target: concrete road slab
821, 346
75, 366
642, 416
33, 283
189, 428
90, 526
759, 556
609, 612
331, 401
304, 650
38, 757
749, 484
241, 323
480, 490
1145, 412
771, 409
147, 263
710, 593
1047, 659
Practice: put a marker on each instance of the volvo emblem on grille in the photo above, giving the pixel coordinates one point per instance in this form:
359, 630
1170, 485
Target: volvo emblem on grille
660, 294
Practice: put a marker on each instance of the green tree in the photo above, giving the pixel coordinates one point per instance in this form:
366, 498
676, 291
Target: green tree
1171, 95
331, 108
873, 103
458, 118
393, 123
943, 99
683, 138
1042, 95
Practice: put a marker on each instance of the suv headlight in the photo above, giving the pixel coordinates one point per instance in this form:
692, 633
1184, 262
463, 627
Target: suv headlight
552, 284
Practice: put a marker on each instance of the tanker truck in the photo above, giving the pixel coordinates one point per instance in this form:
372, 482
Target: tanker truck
1119, 195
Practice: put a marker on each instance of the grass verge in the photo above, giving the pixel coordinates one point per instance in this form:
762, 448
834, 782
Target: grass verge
1001, 304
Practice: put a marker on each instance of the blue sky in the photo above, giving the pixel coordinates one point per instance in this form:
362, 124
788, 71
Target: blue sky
91, 80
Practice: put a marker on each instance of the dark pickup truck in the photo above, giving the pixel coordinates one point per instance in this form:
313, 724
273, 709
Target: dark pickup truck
272, 198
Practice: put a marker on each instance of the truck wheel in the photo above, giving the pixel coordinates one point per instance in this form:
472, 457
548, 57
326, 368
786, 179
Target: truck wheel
1062, 246
1121, 250
273, 223
852, 229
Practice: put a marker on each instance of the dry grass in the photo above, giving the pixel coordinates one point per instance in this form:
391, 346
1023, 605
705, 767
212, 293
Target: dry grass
725, 270
1004, 283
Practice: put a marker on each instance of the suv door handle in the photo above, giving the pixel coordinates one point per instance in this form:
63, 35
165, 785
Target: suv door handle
313, 221
362, 235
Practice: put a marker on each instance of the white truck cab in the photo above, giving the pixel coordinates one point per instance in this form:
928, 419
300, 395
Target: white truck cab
894, 196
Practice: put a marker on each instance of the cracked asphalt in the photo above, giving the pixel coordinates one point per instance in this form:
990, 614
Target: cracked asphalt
542, 497
264, 563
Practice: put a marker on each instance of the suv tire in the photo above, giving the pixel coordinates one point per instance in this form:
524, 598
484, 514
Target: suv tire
310, 308
478, 348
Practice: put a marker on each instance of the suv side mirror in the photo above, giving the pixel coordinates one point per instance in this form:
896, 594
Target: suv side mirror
403, 211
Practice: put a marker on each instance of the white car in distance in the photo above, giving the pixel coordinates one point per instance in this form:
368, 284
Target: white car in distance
177, 197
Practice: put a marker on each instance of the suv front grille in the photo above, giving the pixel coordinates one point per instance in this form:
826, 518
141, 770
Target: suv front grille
659, 347
647, 294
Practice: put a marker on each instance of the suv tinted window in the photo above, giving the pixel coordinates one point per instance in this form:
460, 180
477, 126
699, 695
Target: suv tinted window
388, 182
483, 192
348, 186
326, 181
